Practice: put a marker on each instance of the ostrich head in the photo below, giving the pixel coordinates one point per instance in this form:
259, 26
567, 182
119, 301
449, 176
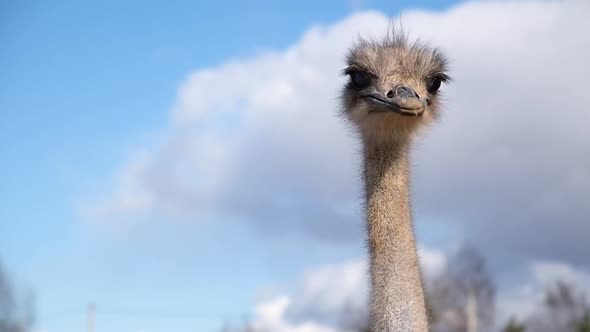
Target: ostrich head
393, 87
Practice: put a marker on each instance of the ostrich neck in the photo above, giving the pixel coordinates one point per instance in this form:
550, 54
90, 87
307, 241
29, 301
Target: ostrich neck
397, 294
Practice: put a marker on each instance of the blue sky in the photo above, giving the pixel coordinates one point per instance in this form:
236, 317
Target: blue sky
82, 86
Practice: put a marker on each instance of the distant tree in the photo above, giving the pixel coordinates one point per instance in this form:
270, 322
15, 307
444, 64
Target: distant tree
564, 296
430, 310
16, 312
226, 327
514, 326
466, 280
564, 309
584, 323
246, 326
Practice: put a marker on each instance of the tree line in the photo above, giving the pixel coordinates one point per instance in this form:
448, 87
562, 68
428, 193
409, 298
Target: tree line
463, 299
17, 312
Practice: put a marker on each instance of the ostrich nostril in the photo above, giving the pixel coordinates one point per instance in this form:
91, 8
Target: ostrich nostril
389, 94
404, 91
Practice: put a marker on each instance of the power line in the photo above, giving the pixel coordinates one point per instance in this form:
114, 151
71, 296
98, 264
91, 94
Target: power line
91, 317
161, 314
95, 311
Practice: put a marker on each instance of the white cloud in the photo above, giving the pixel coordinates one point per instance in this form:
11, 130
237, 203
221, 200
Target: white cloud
319, 301
335, 297
329, 298
325, 294
260, 138
270, 316
433, 261
545, 273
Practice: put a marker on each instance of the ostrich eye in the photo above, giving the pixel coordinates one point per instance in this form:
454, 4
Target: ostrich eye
433, 84
359, 79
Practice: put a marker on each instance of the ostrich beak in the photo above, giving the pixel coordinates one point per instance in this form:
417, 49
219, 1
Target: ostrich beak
404, 102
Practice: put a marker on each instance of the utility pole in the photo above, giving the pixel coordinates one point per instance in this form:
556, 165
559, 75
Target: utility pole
471, 311
91, 315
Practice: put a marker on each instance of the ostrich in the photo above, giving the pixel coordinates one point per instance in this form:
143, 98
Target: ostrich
392, 92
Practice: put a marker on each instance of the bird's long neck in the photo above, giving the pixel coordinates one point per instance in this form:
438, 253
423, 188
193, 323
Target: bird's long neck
397, 298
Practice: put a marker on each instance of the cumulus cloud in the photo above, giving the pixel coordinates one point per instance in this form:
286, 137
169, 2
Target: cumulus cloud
509, 161
259, 139
330, 298
433, 261
326, 293
270, 316
335, 297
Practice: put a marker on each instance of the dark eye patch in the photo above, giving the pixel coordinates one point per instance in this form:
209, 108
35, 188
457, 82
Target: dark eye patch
359, 79
433, 83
